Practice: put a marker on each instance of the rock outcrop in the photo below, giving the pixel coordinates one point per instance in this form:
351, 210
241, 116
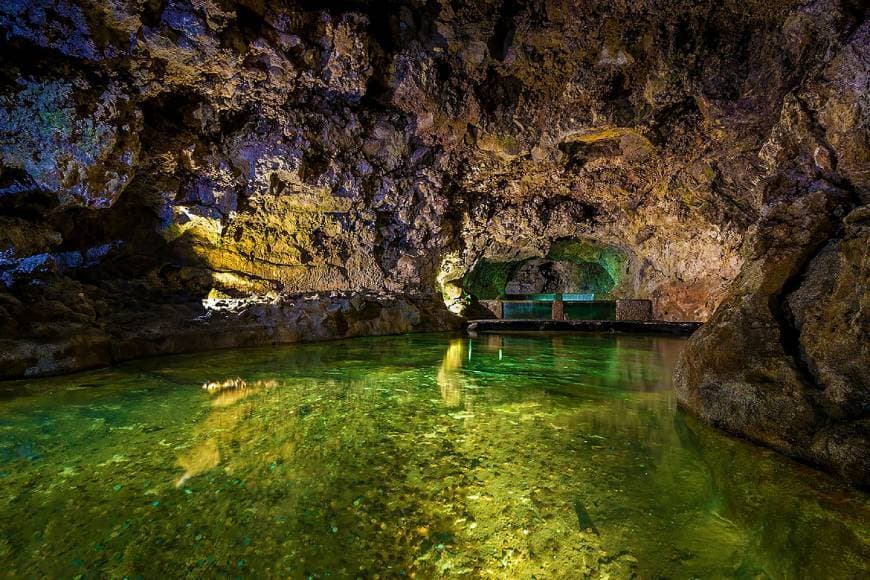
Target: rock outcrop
155, 154
118, 334
784, 358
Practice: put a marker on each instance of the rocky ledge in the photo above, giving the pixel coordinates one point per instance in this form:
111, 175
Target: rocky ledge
169, 328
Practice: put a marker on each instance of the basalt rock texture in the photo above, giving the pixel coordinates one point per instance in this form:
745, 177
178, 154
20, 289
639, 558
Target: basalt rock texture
785, 358
159, 154
118, 333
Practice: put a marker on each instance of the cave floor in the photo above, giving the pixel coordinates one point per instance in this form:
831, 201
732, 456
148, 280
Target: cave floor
517, 456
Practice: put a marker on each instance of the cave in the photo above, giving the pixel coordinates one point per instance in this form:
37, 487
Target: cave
559, 277
570, 266
575, 280
418, 288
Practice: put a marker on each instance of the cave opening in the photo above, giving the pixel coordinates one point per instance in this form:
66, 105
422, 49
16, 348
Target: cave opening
584, 277
570, 266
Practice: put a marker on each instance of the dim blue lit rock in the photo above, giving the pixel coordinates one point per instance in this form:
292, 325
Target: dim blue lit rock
81, 159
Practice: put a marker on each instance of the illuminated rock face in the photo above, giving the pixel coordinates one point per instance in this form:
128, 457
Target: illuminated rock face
157, 153
784, 359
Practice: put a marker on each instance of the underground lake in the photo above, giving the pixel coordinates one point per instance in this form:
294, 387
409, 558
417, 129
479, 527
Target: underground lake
503, 456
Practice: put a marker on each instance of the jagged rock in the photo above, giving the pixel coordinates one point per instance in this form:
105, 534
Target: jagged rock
744, 370
85, 159
783, 359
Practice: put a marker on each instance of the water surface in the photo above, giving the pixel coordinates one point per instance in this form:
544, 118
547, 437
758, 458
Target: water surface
554, 456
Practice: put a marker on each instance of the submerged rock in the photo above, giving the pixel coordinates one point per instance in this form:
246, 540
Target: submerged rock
584, 519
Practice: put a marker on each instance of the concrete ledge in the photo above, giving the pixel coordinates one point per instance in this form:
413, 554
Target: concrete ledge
629, 326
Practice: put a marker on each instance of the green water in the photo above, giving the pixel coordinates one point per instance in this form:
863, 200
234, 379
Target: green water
422, 456
590, 310
528, 310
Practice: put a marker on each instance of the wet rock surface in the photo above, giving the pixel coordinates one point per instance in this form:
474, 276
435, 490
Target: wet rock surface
784, 359
157, 154
44, 347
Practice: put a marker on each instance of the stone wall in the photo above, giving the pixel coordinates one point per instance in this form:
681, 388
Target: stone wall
628, 309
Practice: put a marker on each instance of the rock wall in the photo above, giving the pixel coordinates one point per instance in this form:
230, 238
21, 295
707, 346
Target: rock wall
119, 335
159, 154
296, 147
784, 359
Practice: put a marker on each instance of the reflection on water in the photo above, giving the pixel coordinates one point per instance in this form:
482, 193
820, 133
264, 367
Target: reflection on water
502, 456
450, 377
217, 429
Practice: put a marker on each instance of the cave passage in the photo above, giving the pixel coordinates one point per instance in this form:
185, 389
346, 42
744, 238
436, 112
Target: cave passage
577, 270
